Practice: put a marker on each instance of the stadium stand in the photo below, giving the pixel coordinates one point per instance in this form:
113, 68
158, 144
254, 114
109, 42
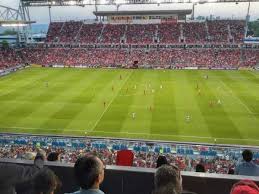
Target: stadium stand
53, 31
195, 32
164, 58
218, 31
90, 33
169, 33
215, 158
113, 33
8, 58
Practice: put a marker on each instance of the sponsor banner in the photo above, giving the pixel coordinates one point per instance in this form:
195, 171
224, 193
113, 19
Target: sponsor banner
218, 68
245, 68
59, 66
191, 68
251, 40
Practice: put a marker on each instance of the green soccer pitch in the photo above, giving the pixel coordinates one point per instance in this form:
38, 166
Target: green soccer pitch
147, 104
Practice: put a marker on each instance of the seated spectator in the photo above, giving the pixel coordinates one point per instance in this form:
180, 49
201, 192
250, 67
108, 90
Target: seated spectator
53, 156
13, 174
247, 167
168, 180
245, 187
200, 168
89, 172
231, 171
43, 182
161, 160
168, 175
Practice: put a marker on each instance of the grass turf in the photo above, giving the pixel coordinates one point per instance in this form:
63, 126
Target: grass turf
71, 102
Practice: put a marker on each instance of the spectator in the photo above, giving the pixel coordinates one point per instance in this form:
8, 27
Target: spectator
168, 179
13, 174
247, 167
45, 182
161, 160
89, 172
231, 171
53, 156
168, 176
245, 187
200, 168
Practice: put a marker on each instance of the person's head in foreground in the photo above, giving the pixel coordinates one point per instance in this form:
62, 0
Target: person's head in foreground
53, 156
245, 187
200, 168
161, 160
89, 172
45, 182
247, 155
168, 179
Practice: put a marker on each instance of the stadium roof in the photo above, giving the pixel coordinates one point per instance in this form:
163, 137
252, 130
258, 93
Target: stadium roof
15, 23
143, 12
41, 3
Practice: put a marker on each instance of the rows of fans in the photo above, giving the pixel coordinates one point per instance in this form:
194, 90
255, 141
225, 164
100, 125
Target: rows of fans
175, 58
219, 31
186, 157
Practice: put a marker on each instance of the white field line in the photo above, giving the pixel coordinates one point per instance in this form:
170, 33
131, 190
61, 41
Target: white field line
131, 133
183, 136
105, 110
240, 101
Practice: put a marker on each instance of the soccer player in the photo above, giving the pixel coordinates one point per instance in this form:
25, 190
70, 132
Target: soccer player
199, 92
104, 104
133, 115
197, 86
188, 118
112, 88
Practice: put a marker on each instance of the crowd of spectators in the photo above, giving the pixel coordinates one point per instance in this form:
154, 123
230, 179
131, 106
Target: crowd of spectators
9, 57
54, 31
113, 33
195, 32
90, 33
215, 159
218, 31
164, 58
141, 33
169, 33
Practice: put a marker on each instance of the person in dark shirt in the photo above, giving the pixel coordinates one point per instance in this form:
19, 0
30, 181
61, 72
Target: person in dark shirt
247, 167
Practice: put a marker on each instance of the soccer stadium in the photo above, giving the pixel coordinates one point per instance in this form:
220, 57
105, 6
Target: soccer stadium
160, 96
